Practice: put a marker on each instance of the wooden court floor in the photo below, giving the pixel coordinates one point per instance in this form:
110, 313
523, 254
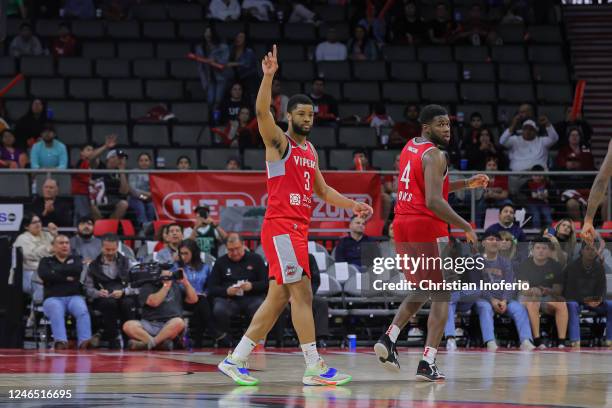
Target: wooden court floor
475, 378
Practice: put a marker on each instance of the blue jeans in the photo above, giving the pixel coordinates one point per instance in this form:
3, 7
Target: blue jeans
517, 312
145, 211
573, 310
55, 310
461, 301
32, 288
82, 207
216, 91
539, 211
483, 204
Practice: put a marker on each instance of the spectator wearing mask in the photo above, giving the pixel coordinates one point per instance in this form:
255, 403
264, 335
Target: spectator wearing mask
224, 10
404, 131
173, 238
26, 43
331, 49
35, 244
409, 29
238, 282
507, 223
162, 310
183, 163
50, 208
61, 274
357, 248
106, 285
325, 105
140, 192
213, 79
537, 192
30, 126
585, 288
82, 182
442, 29
49, 153
66, 44
258, 10
495, 195
205, 232
545, 279
244, 65
360, 46
116, 185
10, 156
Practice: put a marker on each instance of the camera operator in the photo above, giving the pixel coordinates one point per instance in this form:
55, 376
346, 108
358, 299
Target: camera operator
205, 232
106, 283
162, 313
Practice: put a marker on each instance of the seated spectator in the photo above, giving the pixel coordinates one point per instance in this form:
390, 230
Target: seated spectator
475, 30
84, 243
257, 10
537, 192
471, 134
115, 185
565, 127
197, 273
106, 285
49, 153
508, 248
388, 248
409, 29
172, 239
30, 126
545, 279
279, 101
442, 29
525, 112
26, 43
35, 244
10, 156
325, 105
140, 192
575, 156
585, 287
507, 223
82, 182
331, 49
183, 163
233, 163
50, 208
402, 132
242, 132
512, 16
231, 104
357, 248
496, 269
380, 119
478, 153
242, 66
565, 234
213, 79
66, 44
205, 232
361, 156
390, 184
300, 13
238, 282
61, 274
224, 10
82, 9
162, 310
528, 150
496, 193
360, 46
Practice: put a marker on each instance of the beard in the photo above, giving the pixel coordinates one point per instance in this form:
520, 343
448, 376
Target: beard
85, 235
439, 140
299, 130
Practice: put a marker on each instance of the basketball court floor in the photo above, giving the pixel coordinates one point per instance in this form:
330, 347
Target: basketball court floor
475, 378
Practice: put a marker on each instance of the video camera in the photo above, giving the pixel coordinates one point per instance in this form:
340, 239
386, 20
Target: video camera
151, 272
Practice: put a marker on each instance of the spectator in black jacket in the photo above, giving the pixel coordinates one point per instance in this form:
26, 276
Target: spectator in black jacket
63, 292
106, 285
238, 282
357, 248
326, 106
50, 208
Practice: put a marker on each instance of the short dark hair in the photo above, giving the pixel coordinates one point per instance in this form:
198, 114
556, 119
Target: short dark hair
537, 167
542, 240
183, 157
429, 112
475, 115
174, 224
25, 24
299, 99
110, 238
507, 205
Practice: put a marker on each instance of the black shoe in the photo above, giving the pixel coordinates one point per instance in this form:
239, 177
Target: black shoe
386, 351
429, 372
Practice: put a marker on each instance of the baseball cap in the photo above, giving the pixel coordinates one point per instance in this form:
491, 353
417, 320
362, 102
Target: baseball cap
531, 123
116, 153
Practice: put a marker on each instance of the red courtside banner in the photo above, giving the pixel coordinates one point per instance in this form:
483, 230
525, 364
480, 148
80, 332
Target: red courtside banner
175, 195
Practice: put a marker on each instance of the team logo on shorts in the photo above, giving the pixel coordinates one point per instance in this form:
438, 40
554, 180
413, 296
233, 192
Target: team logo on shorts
295, 199
290, 270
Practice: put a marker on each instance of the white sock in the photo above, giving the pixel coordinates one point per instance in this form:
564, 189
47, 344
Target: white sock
393, 332
429, 354
243, 349
311, 355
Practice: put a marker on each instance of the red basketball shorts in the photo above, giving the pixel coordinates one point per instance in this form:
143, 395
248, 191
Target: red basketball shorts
421, 237
285, 243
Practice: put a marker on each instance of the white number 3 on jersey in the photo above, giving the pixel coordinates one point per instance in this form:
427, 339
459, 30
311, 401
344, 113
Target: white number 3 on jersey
406, 175
307, 178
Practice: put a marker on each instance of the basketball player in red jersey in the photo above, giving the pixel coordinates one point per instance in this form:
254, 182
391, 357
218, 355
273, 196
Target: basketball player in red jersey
597, 195
422, 215
293, 176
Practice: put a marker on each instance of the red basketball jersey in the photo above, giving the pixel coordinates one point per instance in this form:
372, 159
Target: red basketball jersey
411, 184
290, 183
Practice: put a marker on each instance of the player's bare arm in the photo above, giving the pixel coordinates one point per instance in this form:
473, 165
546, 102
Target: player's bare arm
434, 162
272, 135
476, 181
333, 197
597, 195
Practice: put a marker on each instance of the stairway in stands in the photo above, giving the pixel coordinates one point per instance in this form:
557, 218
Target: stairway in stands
589, 32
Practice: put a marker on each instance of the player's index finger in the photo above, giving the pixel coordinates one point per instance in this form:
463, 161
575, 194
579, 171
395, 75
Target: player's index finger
274, 50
